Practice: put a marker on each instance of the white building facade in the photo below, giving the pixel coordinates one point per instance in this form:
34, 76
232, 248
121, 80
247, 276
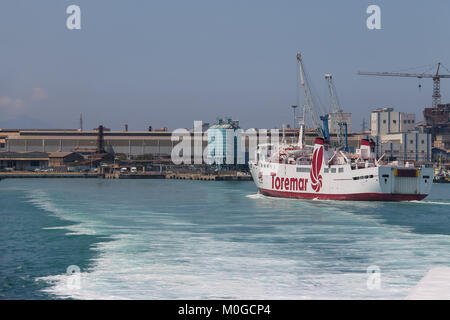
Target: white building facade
396, 136
386, 121
412, 145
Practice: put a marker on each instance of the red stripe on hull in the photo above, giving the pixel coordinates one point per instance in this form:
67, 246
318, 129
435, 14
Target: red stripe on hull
353, 196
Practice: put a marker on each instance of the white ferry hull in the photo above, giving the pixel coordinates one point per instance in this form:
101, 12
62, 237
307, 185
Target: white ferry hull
383, 183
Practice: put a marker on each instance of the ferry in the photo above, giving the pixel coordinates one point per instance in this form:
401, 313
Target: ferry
324, 173
328, 172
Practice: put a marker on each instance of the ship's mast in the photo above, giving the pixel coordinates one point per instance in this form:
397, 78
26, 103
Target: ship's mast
301, 128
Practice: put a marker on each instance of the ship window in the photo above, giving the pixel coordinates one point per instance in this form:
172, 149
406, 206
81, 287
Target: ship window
366, 177
384, 121
423, 141
341, 169
385, 176
426, 177
412, 121
326, 170
404, 121
411, 141
394, 121
355, 178
333, 170
371, 176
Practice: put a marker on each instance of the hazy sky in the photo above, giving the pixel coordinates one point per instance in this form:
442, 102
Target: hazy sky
168, 63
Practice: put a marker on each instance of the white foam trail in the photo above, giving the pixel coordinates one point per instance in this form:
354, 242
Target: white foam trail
179, 265
307, 251
55, 228
42, 200
255, 196
220, 277
259, 196
430, 202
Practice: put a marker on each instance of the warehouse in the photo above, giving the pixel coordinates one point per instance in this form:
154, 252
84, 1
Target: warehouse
23, 160
62, 159
157, 144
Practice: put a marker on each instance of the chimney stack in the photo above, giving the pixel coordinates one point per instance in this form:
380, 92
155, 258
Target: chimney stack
100, 140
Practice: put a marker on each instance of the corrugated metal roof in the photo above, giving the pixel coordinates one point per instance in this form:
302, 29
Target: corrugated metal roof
59, 154
24, 155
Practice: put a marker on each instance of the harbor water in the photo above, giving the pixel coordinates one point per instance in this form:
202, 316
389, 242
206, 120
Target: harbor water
178, 239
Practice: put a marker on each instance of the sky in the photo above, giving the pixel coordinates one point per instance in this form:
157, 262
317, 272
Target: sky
168, 63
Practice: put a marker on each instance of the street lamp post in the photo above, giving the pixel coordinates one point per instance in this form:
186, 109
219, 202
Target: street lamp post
294, 106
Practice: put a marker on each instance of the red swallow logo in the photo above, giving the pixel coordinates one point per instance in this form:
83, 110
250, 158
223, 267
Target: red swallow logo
316, 177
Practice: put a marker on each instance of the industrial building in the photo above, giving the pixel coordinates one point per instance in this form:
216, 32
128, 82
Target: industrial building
35, 160
437, 123
396, 136
133, 144
335, 118
130, 143
386, 121
406, 146
62, 159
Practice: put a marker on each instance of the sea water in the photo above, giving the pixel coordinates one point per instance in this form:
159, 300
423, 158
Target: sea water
177, 239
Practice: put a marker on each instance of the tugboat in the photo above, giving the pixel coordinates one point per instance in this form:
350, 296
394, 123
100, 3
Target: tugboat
331, 173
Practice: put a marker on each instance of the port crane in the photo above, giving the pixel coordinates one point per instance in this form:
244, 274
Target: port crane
311, 105
436, 97
338, 112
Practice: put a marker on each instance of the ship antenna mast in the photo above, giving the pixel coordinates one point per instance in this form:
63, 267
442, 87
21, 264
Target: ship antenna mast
301, 130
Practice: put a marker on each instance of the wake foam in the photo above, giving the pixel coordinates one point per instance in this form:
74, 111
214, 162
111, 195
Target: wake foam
255, 196
245, 249
43, 201
430, 202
